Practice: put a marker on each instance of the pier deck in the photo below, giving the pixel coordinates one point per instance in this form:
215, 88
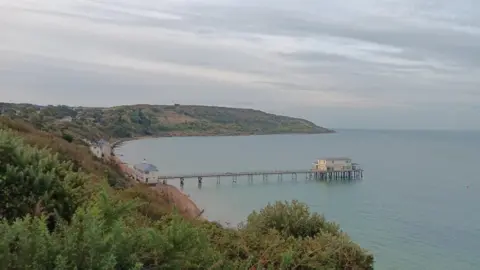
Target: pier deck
309, 174
223, 174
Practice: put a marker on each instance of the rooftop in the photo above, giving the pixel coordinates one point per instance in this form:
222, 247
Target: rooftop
335, 158
145, 167
101, 142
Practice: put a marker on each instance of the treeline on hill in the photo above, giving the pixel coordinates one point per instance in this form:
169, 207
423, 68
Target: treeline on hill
156, 120
62, 209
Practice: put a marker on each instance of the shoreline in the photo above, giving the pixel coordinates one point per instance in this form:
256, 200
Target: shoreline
118, 142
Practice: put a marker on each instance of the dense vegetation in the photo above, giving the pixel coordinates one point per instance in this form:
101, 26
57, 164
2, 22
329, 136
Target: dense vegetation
62, 209
155, 120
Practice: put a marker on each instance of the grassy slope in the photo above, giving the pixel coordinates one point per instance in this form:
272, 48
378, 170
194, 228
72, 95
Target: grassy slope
156, 203
158, 120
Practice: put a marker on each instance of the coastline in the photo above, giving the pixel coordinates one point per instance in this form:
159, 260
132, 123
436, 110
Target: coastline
119, 141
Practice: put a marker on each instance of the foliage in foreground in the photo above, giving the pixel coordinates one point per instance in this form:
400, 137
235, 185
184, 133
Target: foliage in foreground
33, 180
100, 228
78, 155
101, 235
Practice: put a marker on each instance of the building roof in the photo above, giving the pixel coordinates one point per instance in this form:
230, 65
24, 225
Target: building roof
101, 142
145, 167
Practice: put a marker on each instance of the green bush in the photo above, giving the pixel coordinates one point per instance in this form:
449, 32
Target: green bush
291, 219
100, 236
287, 235
67, 137
33, 181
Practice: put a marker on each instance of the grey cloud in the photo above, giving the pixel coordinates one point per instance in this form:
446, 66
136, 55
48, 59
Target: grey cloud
390, 81
358, 66
266, 54
450, 45
52, 81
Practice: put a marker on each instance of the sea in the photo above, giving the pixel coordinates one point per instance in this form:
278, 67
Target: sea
417, 206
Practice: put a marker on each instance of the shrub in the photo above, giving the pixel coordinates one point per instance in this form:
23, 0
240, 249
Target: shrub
67, 137
287, 235
99, 237
78, 155
33, 181
291, 219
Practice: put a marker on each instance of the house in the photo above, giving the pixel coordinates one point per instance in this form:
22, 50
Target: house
334, 164
101, 149
66, 119
145, 172
105, 147
96, 151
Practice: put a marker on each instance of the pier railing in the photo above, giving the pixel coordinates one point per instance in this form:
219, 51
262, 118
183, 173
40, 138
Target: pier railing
309, 174
222, 174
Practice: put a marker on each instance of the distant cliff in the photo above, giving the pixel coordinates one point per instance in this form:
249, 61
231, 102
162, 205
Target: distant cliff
131, 121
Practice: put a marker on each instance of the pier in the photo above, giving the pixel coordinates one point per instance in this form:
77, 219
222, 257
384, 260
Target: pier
353, 174
327, 169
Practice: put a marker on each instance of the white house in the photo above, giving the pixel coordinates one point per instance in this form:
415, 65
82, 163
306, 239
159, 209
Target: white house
106, 148
96, 151
338, 164
146, 173
66, 119
101, 149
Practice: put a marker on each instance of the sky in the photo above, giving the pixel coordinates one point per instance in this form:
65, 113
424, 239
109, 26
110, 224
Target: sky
383, 64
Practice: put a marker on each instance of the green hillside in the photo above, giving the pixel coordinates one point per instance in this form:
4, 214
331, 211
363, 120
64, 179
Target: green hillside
157, 120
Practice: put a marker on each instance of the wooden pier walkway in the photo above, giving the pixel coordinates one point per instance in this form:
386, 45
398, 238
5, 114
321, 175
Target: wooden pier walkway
222, 174
309, 174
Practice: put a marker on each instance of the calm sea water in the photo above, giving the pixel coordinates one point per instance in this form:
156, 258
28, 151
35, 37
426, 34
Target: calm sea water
418, 206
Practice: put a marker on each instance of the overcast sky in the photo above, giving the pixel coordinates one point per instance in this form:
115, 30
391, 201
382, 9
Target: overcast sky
412, 64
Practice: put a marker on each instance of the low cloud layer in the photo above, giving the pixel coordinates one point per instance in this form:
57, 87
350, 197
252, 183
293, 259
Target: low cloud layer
365, 63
